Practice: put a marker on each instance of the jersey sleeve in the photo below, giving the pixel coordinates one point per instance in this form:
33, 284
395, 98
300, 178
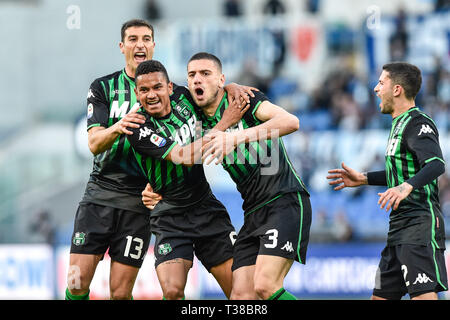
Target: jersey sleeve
97, 106
182, 91
422, 139
146, 141
255, 102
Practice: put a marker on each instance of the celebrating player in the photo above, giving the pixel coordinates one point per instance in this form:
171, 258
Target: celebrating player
111, 214
189, 218
277, 210
413, 260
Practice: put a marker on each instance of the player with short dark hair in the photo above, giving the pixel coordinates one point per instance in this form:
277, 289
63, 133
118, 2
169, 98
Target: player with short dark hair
277, 210
111, 215
413, 259
189, 218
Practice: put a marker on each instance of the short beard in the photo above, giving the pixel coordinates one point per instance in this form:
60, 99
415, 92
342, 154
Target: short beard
208, 102
388, 104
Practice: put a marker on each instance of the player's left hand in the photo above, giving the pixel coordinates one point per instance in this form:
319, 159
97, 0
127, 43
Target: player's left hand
234, 113
150, 198
221, 144
392, 197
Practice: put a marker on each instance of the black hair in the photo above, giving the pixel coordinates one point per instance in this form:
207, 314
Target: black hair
135, 23
207, 56
150, 66
406, 75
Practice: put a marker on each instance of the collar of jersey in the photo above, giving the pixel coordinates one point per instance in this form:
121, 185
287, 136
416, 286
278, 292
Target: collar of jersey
405, 113
167, 116
127, 76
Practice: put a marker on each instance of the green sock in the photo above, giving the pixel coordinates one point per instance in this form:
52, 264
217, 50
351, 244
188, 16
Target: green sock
70, 296
282, 294
184, 298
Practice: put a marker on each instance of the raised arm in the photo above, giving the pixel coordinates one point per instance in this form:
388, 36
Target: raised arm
276, 122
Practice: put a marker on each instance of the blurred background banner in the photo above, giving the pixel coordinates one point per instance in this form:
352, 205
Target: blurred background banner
318, 59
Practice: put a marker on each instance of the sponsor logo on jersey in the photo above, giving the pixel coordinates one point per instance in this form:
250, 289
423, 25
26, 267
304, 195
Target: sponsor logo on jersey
120, 91
144, 132
115, 92
185, 134
117, 111
425, 129
90, 110
90, 94
164, 249
422, 278
392, 146
79, 238
288, 247
157, 140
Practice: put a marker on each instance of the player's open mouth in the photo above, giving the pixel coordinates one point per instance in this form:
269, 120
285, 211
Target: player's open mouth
152, 103
199, 92
140, 56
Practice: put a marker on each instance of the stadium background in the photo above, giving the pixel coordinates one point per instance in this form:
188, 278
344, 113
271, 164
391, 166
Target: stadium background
319, 59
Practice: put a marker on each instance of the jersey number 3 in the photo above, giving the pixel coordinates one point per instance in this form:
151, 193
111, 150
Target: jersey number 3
273, 236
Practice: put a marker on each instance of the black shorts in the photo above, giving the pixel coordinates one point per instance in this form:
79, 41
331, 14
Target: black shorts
412, 269
280, 228
126, 233
204, 229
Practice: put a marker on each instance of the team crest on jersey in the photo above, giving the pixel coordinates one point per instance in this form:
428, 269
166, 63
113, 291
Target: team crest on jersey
90, 110
79, 238
164, 249
181, 108
157, 140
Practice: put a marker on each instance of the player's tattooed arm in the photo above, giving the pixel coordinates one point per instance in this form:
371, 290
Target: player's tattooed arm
392, 197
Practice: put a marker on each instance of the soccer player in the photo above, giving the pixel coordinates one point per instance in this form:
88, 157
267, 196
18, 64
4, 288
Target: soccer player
277, 210
189, 218
111, 214
413, 260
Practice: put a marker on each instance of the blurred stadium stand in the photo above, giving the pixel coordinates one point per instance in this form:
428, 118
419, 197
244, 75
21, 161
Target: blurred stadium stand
320, 60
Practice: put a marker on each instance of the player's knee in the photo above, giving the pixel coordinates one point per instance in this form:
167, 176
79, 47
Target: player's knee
80, 287
237, 294
264, 287
120, 294
173, 292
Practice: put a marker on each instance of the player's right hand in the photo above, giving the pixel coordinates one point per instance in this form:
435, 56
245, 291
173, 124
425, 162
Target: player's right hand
346, 177
150, 198
131, 120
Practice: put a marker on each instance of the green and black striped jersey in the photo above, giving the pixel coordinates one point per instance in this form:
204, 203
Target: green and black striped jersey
116, 179
413, 142
180, 186
261, 170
